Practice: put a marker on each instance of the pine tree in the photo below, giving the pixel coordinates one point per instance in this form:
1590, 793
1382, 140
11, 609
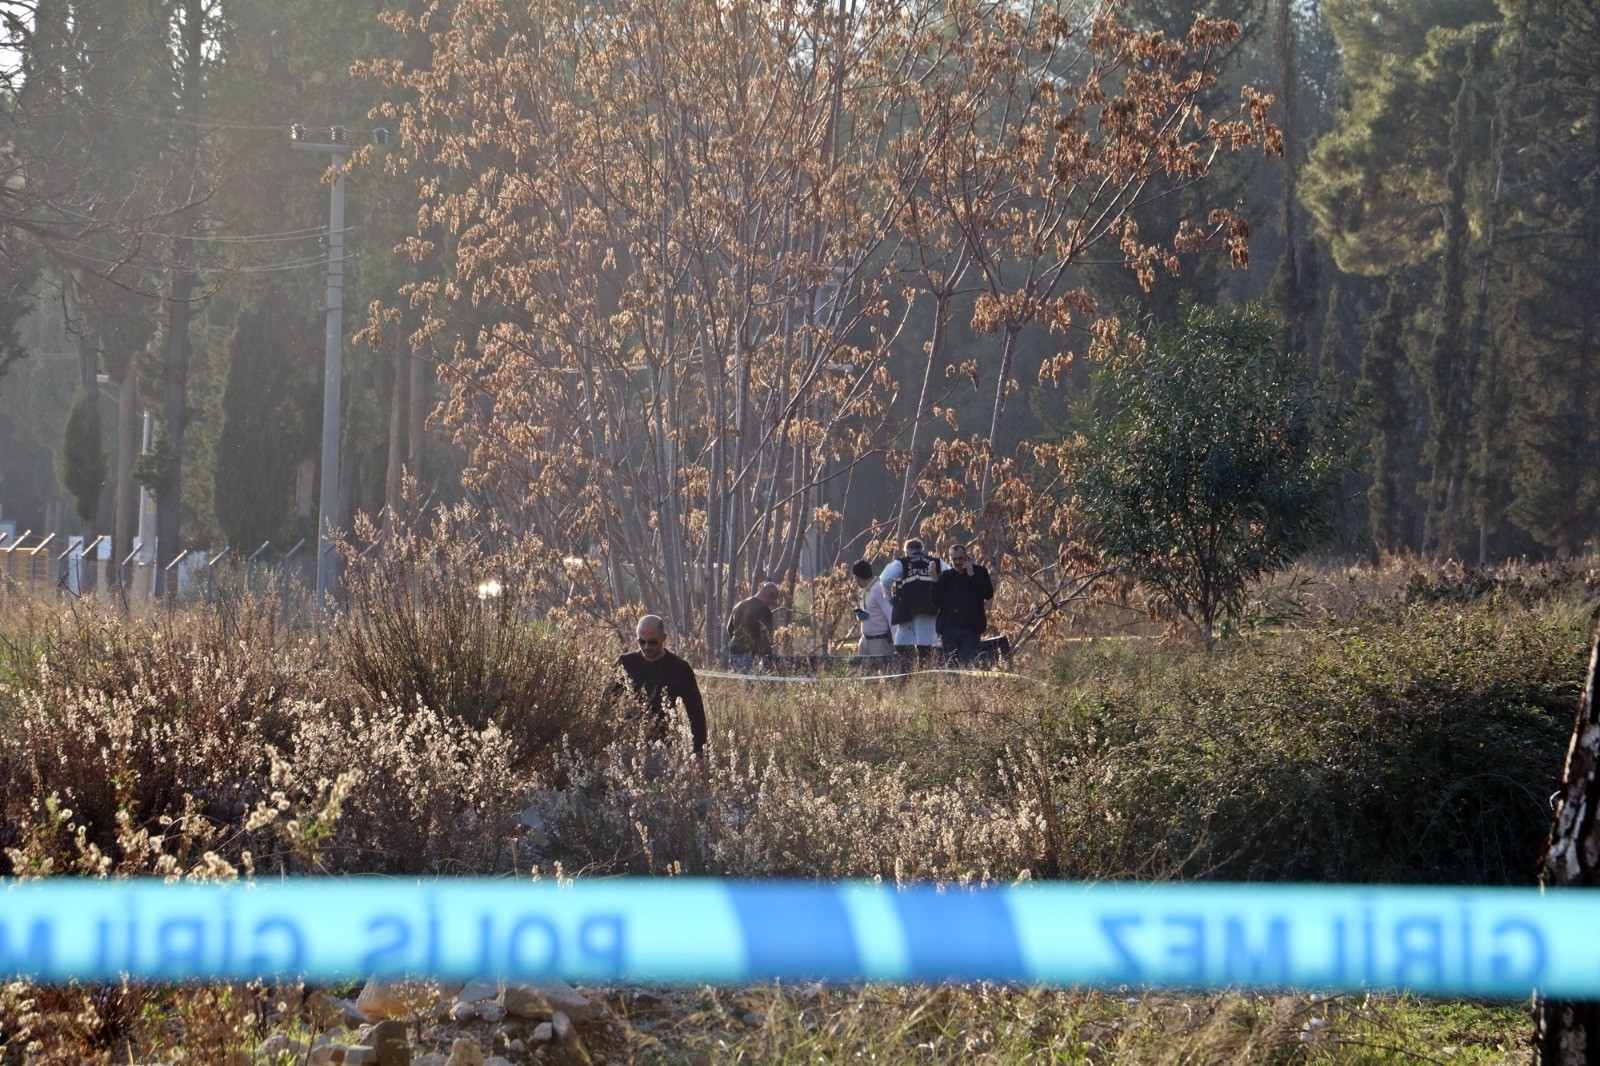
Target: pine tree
1447, 365
1552, 313
1387, 418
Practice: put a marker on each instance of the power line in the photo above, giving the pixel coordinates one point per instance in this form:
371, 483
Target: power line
266, 238
292, 264
174, 120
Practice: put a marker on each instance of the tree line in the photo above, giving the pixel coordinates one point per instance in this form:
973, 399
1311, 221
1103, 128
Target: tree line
697, 294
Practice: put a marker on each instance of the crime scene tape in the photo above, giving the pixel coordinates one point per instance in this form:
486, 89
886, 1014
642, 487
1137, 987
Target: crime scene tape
804, 679
1429, 941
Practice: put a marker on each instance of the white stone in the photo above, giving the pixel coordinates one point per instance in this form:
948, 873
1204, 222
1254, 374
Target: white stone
349, 1013
537, 999
491, 1011
478, 989
281, 1044
543, 1033
561, 1025
465, 1052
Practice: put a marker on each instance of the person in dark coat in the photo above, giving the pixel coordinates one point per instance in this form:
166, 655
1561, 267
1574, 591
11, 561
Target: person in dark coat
963, 588
660, 681
750, 629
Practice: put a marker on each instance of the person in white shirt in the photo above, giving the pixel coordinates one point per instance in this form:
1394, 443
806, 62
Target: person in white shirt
873, 613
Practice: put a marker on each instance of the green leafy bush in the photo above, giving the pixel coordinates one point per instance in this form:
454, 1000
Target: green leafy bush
1420, 750
1209, 460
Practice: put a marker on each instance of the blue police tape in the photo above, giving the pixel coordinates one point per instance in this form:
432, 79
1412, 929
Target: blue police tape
1440, 941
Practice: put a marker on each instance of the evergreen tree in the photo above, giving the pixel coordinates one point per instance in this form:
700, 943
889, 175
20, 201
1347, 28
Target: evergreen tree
254, 461
1552, 313
1211, 462
1387, 421
82, 466
1447, 366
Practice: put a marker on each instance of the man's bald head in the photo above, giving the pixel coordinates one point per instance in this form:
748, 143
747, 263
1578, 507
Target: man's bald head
652, 636
769, 594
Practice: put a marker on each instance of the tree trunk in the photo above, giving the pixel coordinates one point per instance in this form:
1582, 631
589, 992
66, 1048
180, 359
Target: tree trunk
394, 473
1568, 1032
175, 372
941, 330
125, 524
1008, 353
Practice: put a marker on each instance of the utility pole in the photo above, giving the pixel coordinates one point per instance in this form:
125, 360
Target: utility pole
333, 347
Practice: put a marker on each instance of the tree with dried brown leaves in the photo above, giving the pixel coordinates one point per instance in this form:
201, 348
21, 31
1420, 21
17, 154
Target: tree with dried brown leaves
681, 241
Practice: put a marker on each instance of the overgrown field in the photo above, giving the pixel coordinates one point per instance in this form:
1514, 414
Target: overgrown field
1411, 732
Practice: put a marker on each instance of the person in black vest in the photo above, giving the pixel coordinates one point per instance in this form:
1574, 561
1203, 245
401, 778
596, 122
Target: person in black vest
660, 681
960, 594
910, 581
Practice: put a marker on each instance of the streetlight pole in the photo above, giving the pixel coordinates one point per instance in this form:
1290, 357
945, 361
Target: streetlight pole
332, 351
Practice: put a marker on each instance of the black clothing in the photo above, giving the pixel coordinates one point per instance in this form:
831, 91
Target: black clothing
661, 684
960, 598
913, 591
750, 627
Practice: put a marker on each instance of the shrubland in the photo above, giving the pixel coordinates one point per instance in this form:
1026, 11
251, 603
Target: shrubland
1404, 728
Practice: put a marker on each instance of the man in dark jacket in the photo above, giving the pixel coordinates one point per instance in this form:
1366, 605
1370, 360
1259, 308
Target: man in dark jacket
750, 629
963, 587
660, 680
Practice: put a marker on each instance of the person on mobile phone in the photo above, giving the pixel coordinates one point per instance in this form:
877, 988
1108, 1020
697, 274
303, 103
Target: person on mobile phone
963, 589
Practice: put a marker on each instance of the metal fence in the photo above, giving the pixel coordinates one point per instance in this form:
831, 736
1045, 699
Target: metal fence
45, 565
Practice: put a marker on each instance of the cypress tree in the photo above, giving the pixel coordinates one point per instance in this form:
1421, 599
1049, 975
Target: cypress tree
254, 470
82, 466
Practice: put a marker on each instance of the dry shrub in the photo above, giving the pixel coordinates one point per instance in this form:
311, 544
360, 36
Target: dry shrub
995, 1024
129, 741
420, 792
1420, 749
72, 1024
649, 807
437, 619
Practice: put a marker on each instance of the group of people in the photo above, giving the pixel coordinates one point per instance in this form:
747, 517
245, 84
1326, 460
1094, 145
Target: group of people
916, 607
920, 604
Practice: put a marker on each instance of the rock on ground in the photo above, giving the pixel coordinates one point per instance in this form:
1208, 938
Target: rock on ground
538, 1000
478, 990
394, 1047
465, 1052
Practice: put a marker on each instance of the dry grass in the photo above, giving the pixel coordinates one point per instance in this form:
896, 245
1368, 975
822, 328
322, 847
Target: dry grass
1401, 727
986, 1024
